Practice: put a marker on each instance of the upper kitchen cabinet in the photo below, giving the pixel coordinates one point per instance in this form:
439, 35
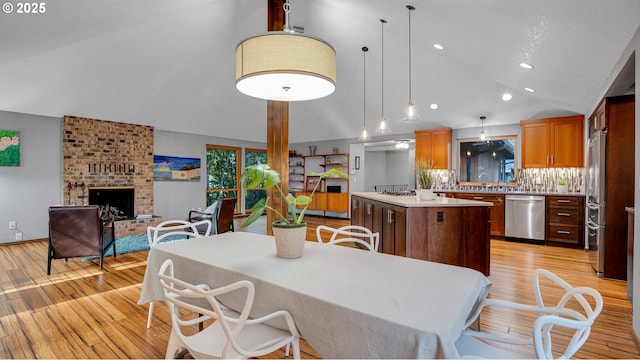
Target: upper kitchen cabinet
435, 145
553, 142
598, 121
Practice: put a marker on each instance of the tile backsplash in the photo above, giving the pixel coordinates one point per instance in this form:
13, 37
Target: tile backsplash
543, 180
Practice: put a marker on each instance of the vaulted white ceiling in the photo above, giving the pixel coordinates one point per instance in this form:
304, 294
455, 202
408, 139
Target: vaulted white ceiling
170, 63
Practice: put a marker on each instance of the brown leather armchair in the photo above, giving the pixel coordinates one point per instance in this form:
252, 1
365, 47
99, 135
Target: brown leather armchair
222, 217
76, 231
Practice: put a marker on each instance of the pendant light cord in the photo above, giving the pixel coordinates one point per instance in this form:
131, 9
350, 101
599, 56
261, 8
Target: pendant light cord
411, 8
364, 85
382, 59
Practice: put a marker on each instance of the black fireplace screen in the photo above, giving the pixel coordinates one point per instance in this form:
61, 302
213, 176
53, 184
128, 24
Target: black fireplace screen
118, 201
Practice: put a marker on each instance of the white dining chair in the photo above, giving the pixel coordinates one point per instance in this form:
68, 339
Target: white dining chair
232, 334
174, 229
576, 323
359, 235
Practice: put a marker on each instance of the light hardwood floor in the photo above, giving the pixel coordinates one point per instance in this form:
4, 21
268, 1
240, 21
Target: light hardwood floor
81, 312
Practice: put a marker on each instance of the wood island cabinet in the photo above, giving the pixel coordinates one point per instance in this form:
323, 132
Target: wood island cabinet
394, 222
435, 145
496, 212
357, 211
455, 235
565, 220
553, 142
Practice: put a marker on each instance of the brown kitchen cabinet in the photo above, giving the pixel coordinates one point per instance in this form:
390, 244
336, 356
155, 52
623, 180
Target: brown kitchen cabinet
394, 222
565, 221
496, 212
357, 210
338, 202
553, 142
380, 218
318, 202
598, 120
434, 145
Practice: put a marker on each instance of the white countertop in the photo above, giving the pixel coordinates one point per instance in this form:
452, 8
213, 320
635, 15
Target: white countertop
412, 200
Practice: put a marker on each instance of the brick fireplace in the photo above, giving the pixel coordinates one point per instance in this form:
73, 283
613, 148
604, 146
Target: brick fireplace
100, 154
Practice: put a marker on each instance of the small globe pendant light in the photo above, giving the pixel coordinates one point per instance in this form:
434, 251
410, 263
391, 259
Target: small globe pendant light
383, 128
411, 114
364, 136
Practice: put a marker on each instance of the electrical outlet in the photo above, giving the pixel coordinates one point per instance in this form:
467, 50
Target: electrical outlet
18, 236
12, 225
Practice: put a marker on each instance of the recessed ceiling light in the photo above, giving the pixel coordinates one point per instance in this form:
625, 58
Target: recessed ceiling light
526, 66
530, 90
433, 106
507, 97
438, 46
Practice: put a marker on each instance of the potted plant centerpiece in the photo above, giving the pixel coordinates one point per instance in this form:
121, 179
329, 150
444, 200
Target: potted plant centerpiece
425, 175
562, 186
290, 231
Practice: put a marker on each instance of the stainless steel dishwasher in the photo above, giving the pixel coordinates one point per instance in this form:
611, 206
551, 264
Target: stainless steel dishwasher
524, 218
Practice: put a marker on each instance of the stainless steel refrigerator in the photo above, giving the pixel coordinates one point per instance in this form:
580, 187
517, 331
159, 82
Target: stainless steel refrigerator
610, 185
595, 192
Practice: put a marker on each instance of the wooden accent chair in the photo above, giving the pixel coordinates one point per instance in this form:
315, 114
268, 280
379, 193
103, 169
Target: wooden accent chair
76, 231
223, 216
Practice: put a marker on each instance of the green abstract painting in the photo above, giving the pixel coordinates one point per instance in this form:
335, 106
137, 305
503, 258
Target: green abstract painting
9, 148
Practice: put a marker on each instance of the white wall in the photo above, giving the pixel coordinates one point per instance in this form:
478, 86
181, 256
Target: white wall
401, 167
375, 173
27, 191
356, 177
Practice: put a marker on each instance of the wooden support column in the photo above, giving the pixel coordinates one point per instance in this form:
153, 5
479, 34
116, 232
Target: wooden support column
277, 128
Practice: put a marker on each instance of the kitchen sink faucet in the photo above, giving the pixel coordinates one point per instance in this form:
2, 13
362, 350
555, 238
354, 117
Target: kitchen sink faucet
484, 183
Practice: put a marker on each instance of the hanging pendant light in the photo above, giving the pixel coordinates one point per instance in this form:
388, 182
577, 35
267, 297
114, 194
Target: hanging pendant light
411, 114
365, 135
482, 136
285, 66
383, 128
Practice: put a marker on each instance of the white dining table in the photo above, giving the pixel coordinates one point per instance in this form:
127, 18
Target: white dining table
346, 302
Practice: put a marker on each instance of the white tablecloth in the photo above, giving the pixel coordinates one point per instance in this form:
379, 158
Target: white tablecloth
346, 302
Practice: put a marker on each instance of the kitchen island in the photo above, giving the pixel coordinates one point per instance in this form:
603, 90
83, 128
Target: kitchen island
444, 230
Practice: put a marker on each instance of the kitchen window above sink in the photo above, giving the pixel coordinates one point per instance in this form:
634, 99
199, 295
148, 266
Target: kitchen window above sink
487, 162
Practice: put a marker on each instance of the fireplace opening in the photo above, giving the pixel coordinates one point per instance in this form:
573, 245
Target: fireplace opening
118, 201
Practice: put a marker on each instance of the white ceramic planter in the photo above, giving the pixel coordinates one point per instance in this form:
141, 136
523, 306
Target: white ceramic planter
561, 189
289, 239
426, 194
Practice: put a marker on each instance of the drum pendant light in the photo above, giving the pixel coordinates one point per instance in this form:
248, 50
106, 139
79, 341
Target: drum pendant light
284, 66
383, 128
411, 114
364, 136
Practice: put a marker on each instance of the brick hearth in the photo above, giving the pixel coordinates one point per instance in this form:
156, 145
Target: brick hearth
100, 153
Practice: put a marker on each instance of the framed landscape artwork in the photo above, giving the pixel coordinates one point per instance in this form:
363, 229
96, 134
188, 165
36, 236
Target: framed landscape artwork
311, 182
9, 148
171, 168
